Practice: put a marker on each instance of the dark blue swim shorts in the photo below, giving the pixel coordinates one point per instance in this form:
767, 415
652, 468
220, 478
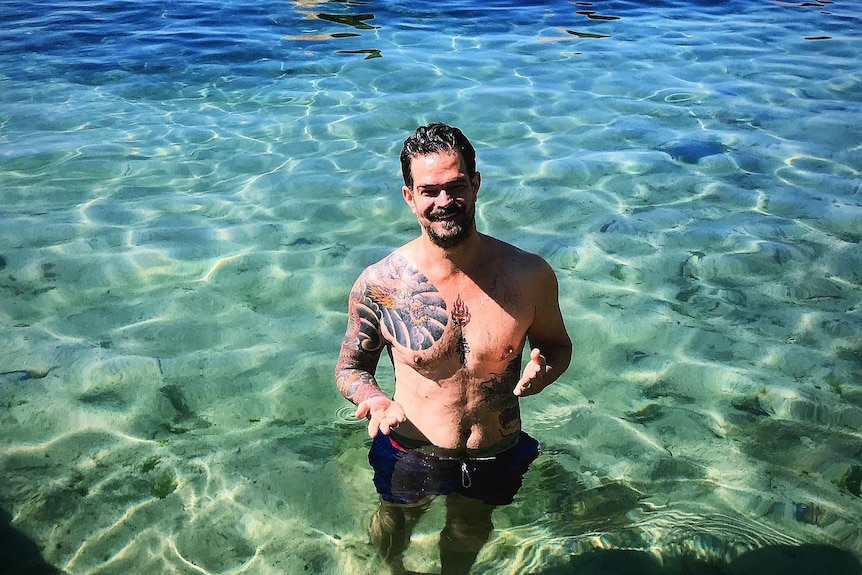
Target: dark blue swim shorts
403, 475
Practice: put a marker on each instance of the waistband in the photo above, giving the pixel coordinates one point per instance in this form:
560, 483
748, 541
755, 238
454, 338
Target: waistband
428, 448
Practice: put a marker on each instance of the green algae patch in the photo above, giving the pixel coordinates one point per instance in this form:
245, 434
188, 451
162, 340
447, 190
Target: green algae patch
149, 464
164, 485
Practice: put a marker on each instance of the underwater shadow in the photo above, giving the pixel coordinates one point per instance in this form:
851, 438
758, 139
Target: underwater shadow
809, 559
19, 555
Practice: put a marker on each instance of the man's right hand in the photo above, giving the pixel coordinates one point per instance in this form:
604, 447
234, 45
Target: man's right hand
383, 414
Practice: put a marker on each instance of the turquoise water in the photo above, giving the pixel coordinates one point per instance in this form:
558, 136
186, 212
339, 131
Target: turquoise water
188, 190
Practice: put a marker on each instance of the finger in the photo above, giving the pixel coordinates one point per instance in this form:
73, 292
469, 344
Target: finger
375, 425
537, 357
526, 378
386, 426
362, 410
395, 420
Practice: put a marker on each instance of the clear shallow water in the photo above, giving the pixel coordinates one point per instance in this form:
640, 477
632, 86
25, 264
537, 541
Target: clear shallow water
189, 189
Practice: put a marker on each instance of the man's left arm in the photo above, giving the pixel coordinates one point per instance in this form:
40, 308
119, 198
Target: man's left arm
551, 346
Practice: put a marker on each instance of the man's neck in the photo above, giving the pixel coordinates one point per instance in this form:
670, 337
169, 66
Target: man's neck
463, 258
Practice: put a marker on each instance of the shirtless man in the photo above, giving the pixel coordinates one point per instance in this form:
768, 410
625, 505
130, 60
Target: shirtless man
454, 309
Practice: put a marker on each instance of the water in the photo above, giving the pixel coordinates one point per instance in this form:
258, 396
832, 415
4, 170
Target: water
188, 190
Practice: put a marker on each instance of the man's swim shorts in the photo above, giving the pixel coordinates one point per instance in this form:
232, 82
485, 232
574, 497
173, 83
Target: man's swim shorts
403, 475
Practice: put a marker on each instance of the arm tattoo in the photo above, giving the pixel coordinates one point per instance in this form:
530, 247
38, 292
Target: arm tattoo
363, 329
355, 384
360, 351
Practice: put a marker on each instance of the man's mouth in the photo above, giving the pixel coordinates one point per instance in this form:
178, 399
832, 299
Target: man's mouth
444, 216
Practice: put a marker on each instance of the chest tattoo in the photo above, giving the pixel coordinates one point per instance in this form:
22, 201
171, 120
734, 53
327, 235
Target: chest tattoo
409, 305
461, 317
460, 313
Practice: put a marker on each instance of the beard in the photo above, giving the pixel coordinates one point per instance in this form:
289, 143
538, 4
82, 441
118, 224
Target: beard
449, 228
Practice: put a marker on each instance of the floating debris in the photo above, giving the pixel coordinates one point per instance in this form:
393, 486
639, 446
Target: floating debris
593, 15
357, 21
371, 53
585, 34
316, 37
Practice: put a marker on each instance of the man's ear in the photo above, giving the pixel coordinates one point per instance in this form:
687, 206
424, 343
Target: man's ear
476, 181
407, 194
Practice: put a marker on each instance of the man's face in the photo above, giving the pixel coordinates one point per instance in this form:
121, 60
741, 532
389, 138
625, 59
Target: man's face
443, 198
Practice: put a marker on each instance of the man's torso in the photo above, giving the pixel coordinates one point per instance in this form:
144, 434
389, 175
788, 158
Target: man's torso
456, 344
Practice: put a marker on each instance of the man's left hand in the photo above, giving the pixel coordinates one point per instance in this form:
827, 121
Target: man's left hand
533, 380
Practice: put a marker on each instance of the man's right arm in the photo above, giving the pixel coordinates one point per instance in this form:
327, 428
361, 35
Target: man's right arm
360, 349
357, 363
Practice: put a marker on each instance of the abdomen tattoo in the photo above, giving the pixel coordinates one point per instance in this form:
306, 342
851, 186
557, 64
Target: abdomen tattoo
499, 397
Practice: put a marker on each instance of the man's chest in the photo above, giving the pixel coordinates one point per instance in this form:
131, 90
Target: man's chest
459, 327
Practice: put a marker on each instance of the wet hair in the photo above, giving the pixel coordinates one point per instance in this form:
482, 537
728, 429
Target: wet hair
434, 139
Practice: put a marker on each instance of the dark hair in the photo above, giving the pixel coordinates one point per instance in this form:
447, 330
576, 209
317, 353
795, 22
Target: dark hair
434, 139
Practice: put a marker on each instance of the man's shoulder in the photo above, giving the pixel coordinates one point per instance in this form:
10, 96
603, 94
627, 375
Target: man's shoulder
513, 255
392, 265
530, 271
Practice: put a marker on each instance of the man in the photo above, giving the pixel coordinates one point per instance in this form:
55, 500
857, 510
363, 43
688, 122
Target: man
454, 309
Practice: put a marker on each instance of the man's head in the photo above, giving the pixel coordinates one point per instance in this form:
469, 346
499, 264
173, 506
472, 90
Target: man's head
434, 139
441, 183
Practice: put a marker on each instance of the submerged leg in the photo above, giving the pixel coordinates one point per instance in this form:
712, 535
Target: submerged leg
390, 530
468, 527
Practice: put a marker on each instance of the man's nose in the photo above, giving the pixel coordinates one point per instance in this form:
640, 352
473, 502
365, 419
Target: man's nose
443, 198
